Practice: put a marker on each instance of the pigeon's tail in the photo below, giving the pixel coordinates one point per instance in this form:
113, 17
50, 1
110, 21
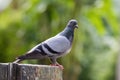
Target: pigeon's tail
32, 55
17, 61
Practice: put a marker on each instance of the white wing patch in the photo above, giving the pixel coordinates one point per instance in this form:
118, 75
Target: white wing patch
58, 43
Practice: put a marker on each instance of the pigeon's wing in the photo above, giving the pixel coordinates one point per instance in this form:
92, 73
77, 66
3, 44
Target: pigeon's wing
58, 44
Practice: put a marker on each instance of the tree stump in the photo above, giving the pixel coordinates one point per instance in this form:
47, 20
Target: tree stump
12, 71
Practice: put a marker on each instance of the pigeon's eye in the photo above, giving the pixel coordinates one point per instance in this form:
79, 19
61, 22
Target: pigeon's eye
71, 22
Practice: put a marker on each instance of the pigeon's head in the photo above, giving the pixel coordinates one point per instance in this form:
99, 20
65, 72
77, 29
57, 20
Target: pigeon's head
73, 24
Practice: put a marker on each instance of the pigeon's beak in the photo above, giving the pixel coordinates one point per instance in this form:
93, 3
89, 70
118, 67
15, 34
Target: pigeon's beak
76, 26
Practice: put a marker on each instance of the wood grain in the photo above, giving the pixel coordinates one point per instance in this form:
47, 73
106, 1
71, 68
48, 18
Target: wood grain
3, 71
29, 72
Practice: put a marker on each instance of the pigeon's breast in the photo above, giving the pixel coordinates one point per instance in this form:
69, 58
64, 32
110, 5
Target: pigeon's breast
58, 43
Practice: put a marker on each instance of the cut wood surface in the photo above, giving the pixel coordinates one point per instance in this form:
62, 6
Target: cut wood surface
12, 71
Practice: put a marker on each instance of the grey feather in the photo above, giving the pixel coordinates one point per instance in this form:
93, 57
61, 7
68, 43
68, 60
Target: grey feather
53, 47
58, 43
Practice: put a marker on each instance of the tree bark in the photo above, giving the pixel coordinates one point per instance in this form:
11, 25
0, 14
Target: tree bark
14, 71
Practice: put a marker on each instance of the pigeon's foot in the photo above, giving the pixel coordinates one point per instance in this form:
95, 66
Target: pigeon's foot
60, 66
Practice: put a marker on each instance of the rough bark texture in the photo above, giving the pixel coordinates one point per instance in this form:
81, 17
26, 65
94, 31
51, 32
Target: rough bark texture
29, 72
3, 71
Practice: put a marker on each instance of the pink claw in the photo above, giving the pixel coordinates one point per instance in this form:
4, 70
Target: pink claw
60, 66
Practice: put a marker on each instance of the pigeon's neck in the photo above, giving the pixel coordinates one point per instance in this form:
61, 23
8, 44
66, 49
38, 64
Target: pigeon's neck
68, 33
68, 30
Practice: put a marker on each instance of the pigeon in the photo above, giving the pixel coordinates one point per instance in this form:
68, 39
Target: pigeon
54, 47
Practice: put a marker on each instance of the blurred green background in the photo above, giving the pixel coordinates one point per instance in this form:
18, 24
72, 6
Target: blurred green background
94, 55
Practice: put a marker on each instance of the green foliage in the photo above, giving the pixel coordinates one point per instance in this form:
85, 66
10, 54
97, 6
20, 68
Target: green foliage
26, 23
